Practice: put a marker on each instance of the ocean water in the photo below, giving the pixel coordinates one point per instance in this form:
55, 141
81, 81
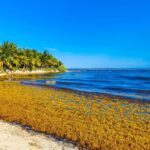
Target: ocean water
132, 83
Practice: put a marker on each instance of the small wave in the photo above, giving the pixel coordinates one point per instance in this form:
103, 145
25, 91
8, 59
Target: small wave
74, 83
83, 80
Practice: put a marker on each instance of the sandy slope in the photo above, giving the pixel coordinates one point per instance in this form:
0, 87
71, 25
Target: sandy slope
13, 137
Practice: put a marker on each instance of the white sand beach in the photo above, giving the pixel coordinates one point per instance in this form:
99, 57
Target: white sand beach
14, 137
34, 72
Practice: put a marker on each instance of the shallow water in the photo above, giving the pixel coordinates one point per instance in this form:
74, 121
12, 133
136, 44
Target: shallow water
122, 82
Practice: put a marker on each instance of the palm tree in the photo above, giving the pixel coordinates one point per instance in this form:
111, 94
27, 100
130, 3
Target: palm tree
8, 50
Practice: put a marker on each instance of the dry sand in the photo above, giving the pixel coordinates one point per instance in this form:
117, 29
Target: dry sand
14, 137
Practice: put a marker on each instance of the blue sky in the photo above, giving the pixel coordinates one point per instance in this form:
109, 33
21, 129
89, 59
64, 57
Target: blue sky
81, 33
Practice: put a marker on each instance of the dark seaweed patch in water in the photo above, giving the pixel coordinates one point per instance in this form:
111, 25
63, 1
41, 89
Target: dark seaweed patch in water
139, 78
120, 89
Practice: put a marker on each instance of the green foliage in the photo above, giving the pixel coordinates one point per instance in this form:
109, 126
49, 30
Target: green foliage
62, 68
14, 58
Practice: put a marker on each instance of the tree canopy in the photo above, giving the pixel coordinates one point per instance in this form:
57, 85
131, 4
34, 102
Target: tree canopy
14, 58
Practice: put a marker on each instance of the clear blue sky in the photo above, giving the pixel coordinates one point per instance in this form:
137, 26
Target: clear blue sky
82, 33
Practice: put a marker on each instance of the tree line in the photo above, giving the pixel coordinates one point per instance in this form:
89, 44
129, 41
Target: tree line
14, 58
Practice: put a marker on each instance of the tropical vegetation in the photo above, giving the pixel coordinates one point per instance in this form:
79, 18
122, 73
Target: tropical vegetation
95, 122
13, 58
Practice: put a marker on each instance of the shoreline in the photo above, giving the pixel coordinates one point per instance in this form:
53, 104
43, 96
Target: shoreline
105, 95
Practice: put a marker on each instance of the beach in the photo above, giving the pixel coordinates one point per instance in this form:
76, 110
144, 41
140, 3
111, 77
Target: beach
15, 137
75, 75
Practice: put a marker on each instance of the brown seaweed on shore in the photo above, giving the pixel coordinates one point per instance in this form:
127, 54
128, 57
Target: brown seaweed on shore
93, 121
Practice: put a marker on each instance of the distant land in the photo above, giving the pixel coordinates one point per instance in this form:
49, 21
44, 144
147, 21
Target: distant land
23, 60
